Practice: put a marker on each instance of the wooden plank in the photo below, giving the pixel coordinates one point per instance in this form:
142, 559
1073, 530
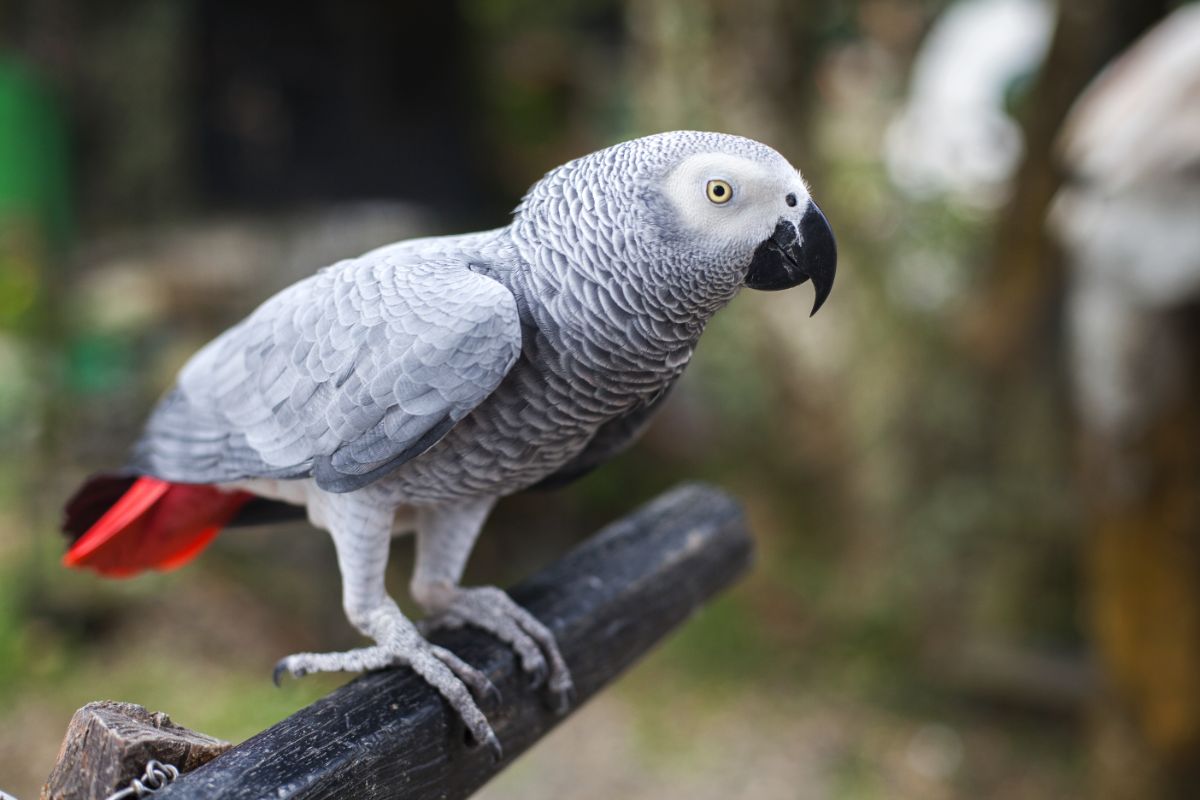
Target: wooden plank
108, 744
389, 735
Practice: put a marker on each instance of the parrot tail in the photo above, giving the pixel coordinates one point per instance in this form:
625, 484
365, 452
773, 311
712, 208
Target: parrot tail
124, 525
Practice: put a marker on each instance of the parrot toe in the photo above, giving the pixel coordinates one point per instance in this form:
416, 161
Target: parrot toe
479, 684
401, 644
494, 611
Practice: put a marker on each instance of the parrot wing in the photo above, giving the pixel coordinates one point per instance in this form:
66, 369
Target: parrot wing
342, 377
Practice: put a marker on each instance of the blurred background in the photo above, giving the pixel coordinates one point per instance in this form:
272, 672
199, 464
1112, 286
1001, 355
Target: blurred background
974, 477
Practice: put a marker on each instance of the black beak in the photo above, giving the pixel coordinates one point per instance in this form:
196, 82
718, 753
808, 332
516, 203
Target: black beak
791, 256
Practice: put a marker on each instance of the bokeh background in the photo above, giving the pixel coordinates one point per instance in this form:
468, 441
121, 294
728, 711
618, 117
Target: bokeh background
973, 477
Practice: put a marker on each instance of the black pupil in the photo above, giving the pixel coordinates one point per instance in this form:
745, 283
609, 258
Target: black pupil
719, 190
791, 199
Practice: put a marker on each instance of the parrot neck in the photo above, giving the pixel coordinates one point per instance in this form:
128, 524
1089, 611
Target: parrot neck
616, 287
613, 329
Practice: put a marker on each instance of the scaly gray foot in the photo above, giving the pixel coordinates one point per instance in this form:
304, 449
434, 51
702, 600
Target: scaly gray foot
494, 611
399, 643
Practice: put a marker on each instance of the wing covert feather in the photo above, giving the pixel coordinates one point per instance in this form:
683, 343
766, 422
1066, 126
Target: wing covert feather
343, 376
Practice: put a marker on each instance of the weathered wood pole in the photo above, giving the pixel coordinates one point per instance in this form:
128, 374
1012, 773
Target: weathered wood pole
109, 743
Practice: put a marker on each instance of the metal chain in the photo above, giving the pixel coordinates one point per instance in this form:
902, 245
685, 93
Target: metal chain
156, 777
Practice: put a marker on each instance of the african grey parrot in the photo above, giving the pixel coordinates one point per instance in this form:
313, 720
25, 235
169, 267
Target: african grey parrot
408, 389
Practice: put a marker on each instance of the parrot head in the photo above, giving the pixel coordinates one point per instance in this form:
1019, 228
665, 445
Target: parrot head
690, 217
740, 206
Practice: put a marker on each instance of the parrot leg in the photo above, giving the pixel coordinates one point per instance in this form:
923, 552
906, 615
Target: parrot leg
445, 537
361, 535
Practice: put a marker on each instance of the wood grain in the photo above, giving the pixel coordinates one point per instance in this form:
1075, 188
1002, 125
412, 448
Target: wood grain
108, 744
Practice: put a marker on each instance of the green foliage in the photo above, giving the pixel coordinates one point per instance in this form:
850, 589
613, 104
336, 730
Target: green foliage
33, 154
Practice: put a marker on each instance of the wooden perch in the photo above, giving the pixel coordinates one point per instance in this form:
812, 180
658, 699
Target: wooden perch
108, 744
389, 735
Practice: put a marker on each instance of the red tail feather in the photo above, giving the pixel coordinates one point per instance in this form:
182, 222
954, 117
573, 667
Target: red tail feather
156, 525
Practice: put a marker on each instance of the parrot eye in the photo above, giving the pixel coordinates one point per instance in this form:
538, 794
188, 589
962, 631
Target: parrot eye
719, 191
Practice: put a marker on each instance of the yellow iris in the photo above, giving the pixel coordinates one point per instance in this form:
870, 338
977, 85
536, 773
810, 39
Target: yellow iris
719, 191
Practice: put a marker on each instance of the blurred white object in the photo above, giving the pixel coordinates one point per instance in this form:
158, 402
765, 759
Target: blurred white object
1129, 219
953, 136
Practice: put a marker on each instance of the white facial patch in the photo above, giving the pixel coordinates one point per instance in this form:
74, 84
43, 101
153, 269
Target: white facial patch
759, 197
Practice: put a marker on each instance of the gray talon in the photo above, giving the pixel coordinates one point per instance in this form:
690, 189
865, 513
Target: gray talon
493, 746
282, 669
494, 611
537, 676
399, 643
562, 699
480, 685
484, 690
490, 694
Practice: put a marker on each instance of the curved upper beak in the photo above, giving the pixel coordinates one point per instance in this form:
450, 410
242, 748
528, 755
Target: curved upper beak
794, 254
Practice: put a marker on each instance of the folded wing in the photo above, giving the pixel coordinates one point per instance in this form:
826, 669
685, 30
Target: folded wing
342, 377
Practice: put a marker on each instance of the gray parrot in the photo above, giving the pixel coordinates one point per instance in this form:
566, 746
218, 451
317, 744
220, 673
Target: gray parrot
409, 389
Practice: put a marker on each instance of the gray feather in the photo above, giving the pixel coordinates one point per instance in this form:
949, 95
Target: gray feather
611, 439
343, 376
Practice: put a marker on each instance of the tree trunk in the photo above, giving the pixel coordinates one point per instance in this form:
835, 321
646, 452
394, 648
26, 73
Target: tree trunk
1142, 560
1013, 313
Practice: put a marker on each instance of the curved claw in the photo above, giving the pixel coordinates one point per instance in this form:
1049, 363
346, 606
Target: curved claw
480, 685
491, 695
280, 668
537, 675
493, 746
562, 699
